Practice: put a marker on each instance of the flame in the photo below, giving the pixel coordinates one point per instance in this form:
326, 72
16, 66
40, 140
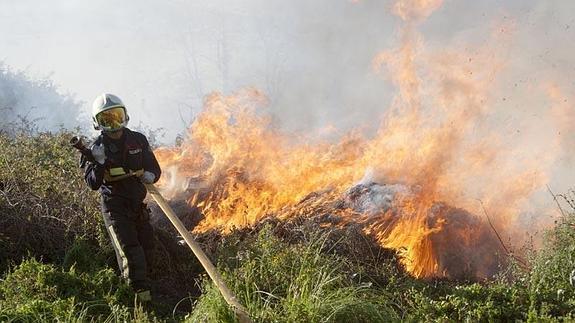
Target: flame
415, 10
433, 144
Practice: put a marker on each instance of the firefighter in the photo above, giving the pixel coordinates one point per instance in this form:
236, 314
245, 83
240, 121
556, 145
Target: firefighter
123, 163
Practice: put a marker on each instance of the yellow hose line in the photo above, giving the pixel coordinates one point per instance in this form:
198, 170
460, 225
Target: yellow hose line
238, 309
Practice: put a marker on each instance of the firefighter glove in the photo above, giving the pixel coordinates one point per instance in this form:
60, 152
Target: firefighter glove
148, 177
99, 153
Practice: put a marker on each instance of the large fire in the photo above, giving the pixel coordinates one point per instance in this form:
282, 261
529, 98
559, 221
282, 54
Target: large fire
418, 185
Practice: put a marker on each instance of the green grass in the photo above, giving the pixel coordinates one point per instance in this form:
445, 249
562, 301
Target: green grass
278, 282
34, 291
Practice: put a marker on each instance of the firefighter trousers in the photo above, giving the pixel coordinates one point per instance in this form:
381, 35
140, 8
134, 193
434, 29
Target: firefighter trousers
132, 236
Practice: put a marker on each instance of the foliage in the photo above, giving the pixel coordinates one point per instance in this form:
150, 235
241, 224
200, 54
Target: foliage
552, 279
42, 292
43, 200
48, 213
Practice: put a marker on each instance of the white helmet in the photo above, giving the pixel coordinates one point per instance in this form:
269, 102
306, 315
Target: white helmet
109, 113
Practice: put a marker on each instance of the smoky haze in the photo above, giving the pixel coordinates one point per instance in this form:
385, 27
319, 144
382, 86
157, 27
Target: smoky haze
28, 104
312, 58
162, 57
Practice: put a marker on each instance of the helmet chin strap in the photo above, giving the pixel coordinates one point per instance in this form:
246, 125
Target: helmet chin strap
112, 131
114, 134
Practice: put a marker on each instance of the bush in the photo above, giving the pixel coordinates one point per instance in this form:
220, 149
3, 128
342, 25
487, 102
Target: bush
84, 257
44, 201
552, 279
470, 303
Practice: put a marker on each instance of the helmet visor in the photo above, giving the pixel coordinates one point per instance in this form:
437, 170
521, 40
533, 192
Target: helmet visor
112, 119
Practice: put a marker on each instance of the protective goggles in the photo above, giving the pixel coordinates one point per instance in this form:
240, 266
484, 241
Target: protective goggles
112, 119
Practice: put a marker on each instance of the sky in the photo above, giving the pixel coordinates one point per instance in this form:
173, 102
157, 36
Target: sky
312, 58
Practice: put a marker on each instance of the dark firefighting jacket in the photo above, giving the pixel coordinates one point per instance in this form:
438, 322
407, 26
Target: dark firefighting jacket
130, 153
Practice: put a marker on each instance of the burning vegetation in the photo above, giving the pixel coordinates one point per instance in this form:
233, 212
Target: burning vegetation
237, 169
421, 184
306, 228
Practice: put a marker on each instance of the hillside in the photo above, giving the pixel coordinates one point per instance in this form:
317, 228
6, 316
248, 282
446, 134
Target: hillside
337, 161
57, 264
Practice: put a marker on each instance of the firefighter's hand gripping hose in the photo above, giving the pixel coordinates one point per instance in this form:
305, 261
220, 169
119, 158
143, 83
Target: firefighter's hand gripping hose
238, 309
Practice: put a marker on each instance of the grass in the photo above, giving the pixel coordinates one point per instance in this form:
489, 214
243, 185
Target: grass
278, 282
33, 291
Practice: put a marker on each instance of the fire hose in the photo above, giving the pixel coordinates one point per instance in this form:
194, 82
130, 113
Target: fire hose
238, 309
230, 298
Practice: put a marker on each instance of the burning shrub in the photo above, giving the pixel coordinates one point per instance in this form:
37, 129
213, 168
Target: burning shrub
542, 291
413, 185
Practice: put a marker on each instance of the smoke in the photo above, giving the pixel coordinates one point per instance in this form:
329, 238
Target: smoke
514, 144
36, 103
311, 59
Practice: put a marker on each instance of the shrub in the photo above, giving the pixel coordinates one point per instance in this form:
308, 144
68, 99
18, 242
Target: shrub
552, 279
44, 202
470, 303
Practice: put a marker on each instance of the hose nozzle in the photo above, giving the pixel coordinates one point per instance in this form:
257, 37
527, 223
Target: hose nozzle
77, 143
